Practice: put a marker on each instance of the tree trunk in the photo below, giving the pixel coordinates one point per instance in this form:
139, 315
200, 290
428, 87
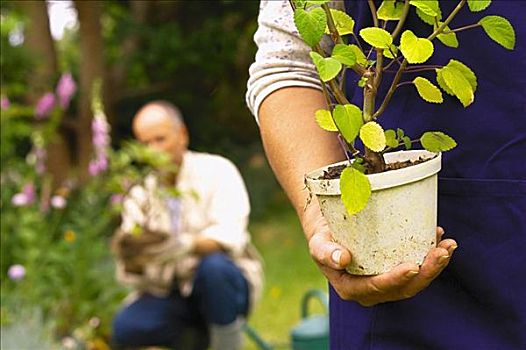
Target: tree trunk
38, 40
91, 69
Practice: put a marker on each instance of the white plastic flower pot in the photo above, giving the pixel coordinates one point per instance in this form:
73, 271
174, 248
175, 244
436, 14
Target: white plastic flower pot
398, 223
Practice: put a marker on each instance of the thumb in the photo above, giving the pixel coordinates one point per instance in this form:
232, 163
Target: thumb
327, 252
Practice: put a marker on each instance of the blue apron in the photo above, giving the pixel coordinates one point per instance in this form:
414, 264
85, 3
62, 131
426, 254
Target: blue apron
479, 301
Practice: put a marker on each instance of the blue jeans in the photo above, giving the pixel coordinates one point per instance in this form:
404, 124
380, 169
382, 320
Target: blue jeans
219, 296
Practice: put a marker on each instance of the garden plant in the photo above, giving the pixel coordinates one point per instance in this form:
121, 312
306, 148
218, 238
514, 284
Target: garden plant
371, 191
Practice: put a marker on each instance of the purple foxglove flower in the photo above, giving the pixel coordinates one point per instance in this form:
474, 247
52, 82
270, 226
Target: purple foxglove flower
116, 199
16, 272
101, 139
66, 88
45, 105
40, 163
58, 202
4, 102
26, 197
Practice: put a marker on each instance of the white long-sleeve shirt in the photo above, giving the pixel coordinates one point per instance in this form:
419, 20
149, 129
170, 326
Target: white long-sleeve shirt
213, 203
282, 59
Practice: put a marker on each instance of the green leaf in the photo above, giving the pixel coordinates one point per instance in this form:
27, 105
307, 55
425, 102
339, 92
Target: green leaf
373, 137
500, 30
414, 49
311, 24
343, 22
328, 68
390, 10
300, 4
427, 90
362, 82
358, 165
407, 142
442, 83
360, 56
377, 37
449, 39
428, 7
478, 5
436, 141
466, 72
355, 189
459, 85
349, 120
389, 52
434, 5
324, 120
390, 138
316, 2
345, 54
400, 133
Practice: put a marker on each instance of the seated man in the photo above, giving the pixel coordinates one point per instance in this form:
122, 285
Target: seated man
188, 257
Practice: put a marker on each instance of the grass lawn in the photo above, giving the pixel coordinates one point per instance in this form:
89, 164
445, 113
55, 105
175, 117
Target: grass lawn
289, 273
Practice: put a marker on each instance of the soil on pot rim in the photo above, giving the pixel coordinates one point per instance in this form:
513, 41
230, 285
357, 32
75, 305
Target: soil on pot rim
334, 172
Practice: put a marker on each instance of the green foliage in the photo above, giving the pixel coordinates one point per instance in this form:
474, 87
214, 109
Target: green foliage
414, 49
390, 10
500, 30
343, 22
310, 24
349, 120
455, 78
436, 141
327, 67
377, 37
355, 189
325, 121
427, 90
344, 54
449, 39
457, 84
478, 5
373, 137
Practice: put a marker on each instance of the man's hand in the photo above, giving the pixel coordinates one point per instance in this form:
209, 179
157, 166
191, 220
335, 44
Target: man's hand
402, 282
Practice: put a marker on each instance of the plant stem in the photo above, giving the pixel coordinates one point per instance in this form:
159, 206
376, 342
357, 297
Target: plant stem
422, 69
448, 20
337, 39
471, 26
401, 22
332, 27
391, 91
372, 6
404, 83
391, 63
369, 95
396, 79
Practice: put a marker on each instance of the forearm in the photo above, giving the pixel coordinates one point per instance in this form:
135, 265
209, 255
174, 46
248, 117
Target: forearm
293, 141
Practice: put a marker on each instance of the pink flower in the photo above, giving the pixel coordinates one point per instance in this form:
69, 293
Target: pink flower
26, 197
116, 199
16, 272
58, 202
40, 163
45, 105
66, 88
4, 102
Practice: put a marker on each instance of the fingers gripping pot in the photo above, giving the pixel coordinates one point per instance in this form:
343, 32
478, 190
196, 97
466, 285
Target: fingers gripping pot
398, 223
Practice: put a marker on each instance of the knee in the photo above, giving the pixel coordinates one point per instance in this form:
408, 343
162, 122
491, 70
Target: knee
214, 268
132, 332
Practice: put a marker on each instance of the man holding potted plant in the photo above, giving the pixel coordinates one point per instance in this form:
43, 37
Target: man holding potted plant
187, 254
479, 300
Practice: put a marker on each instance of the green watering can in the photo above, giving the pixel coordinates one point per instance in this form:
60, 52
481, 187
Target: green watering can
312, 332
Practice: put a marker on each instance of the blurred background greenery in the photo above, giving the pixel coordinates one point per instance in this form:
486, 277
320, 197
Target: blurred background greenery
57, 284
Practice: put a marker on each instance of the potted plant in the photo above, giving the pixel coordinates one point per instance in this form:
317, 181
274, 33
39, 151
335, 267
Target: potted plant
381, 204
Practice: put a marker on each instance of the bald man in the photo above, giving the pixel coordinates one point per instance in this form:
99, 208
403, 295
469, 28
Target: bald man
203, 275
